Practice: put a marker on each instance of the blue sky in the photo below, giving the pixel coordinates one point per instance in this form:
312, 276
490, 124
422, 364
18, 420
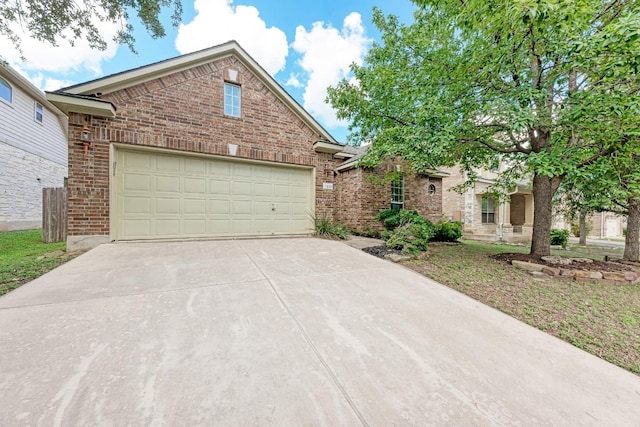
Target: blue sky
305, 45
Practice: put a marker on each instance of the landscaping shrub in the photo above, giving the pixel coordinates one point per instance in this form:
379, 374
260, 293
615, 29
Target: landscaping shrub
575, 228
393, 218
447, 231
559, 237
411, 238
405, 230
329, 229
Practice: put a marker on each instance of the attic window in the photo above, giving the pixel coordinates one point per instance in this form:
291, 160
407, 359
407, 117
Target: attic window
231, 100
6, 91
38, 112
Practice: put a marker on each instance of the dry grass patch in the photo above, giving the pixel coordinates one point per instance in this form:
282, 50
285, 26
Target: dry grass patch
601, 319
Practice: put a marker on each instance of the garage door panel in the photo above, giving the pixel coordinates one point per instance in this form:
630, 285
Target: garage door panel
262, 207
137, 161
298, 209
219, 227
195, 166
167, 184
220, 169
261, 189
241, 226
219, 207
195, 227
262, 173
219, 186
242, 207
137, 205
167, 227
167, 164
195, 185
242, 188
137, 182
298, 192
281, 190
195, 207
137, 227
170, 206
159, 195
242, 171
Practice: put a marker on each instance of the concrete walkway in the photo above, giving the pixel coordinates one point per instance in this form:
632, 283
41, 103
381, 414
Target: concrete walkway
283, 332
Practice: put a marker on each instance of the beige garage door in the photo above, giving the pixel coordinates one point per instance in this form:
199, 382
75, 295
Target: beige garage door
160, 196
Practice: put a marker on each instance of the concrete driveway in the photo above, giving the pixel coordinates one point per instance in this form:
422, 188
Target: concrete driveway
286, 332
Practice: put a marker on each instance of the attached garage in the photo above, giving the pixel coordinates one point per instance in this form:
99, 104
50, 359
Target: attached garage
158, 194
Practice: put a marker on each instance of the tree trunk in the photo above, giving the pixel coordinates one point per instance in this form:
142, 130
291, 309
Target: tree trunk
583, 228
543, 191
632, 241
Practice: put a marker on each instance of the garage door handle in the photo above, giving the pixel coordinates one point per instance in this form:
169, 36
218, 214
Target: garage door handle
273, 207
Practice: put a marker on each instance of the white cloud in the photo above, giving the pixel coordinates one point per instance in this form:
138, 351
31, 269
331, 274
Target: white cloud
44, 57
326, 55
217, 21
294, 81
47, 83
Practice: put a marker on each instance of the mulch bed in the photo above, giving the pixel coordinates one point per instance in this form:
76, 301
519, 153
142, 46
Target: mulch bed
381, 251
577, 265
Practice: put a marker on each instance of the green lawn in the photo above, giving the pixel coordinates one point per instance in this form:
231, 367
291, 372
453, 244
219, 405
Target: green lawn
601, 319
19, 257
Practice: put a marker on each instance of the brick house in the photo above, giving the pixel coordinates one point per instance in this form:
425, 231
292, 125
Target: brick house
33, 150
206, 144
362, 192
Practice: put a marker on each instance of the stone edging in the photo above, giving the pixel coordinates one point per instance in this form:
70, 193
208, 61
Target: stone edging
604, 277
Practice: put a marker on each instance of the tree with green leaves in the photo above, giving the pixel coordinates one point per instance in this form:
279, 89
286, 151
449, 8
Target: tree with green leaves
469, 79
55, 20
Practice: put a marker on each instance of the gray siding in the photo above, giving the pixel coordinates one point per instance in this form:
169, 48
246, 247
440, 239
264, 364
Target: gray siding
19, 129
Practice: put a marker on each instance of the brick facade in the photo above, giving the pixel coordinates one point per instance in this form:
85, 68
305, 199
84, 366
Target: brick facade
184, 111
361, 194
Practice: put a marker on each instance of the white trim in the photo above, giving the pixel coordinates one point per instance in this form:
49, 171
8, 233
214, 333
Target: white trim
94, 107
327, 147
35, 112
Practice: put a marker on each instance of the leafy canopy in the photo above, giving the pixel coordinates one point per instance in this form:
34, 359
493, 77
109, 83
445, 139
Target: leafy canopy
522, 78
51, 21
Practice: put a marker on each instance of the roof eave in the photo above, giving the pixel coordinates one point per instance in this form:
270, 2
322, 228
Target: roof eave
72, 104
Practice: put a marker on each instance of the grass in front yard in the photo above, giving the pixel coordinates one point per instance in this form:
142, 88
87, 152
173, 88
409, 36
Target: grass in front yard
19, 253
601, 319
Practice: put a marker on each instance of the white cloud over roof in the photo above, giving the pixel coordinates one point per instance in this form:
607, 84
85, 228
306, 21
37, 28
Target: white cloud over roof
326, 54
63, 58
218, 21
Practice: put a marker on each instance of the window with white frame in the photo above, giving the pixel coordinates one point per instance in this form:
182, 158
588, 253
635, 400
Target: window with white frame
397, 193
6, 92
38, 112
488, 211
231, 100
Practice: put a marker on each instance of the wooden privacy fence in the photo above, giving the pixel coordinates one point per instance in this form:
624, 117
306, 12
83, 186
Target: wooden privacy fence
54, 215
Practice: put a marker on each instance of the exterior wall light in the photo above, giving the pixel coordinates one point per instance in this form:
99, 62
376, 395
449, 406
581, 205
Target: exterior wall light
85, 137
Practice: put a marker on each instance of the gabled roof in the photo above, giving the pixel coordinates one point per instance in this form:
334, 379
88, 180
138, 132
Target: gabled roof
360, 152
114, 82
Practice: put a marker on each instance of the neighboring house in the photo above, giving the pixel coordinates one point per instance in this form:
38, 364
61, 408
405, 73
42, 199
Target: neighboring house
362, 192
600, 225
33, 150
203, 145
484, 218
